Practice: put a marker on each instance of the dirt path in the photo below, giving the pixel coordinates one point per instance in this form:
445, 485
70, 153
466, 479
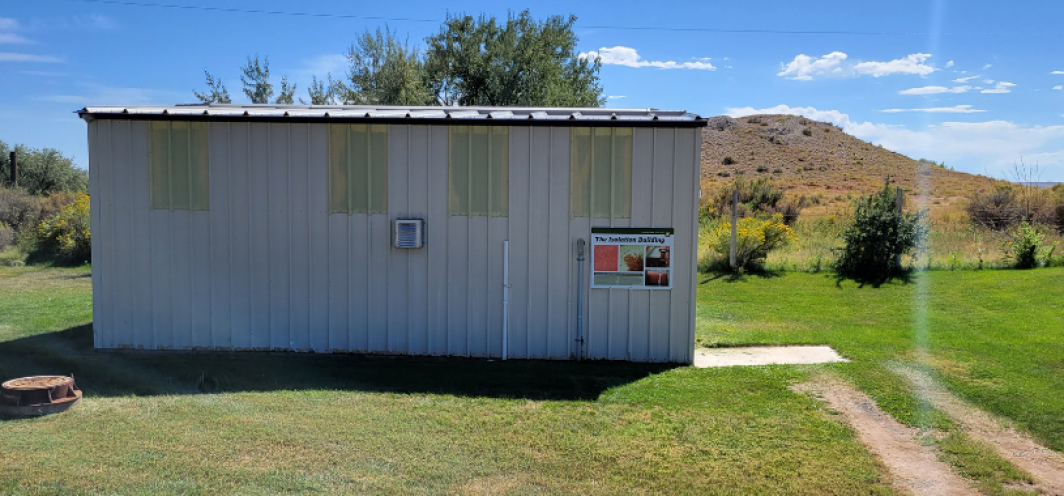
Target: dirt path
915, 468
1044, 464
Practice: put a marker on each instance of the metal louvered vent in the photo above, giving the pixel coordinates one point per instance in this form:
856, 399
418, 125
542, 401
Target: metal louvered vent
409, 233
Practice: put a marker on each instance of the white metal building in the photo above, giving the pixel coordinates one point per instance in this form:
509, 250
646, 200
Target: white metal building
257, 227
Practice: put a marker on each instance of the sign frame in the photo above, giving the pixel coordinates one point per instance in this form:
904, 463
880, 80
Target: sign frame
632, 258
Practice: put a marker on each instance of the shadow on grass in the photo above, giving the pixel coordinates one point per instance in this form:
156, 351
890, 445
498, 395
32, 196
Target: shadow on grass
733, 276
148, 373
904, 276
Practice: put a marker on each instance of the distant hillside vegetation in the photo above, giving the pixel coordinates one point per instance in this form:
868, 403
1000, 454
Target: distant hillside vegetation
810, 158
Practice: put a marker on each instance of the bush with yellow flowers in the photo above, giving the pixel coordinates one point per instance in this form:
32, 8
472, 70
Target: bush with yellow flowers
755, 238
65, 237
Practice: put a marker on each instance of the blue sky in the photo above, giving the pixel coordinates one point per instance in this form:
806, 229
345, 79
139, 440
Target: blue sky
977, 84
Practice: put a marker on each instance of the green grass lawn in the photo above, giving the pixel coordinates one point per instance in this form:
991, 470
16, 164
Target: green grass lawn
286, 423
995, 337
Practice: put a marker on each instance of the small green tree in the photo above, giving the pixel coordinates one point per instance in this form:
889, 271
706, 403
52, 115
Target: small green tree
881, 232
216, 92
288, 91
1025, 247
256, 80
321, 92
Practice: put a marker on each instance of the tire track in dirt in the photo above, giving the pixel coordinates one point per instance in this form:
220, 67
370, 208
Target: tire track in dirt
1044, 464
915, 468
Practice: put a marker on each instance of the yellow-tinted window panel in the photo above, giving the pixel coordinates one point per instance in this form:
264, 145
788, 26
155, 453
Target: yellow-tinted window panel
479, 171
358, 168
180, 165
600, 173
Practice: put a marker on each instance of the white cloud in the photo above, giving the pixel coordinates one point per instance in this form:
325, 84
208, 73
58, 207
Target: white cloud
1058, 87
7, 34
956, 109
628, 57
109, 95
12, 38
985, 67
28, 57
832, 116
1001, 87
44, 73
616, 97
1057, 72
911, 64
988, 81
989, 147
949, 64
931, 90
805, 68
323, 65
964, 79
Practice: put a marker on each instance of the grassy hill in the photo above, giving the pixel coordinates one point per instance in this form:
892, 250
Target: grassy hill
818, 159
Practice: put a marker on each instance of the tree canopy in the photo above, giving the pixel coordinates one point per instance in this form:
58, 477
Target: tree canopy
517, 61
43, 171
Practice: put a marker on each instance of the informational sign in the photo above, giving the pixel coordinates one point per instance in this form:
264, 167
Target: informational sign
631, 258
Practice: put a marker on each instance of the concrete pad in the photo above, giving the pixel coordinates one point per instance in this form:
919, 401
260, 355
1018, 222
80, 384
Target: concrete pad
766, 355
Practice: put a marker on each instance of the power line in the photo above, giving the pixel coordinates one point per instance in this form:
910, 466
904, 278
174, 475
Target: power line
613, 27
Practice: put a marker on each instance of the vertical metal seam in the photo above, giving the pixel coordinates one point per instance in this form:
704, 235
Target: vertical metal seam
290, 208
469, 301
672, 297
528, 240
247, 170
229, 222
653, 192
550, 238
693, 287
310, 240
269, 187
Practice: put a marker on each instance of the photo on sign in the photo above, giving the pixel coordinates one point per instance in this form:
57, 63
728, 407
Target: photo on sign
631, 258
657, 278
657, 256
606, 258
617, 279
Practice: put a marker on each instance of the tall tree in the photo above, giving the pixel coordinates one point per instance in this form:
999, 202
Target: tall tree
384, 70
321, 92
287, 92
256, 79
521, 62
216, 92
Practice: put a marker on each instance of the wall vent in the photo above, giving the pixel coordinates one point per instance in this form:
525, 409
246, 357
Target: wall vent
408, 233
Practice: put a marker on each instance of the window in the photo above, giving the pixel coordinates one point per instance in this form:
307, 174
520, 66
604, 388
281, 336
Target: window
358, 168
600, 164
178, 171
479, 171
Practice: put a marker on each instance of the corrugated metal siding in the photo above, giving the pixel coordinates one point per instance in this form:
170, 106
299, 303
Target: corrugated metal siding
268, 268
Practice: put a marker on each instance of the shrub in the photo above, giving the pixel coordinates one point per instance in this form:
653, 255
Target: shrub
1025, 247
755, 238
1008, 205
880, 232
7, 236
728, 160
65, 237
807, 132
21, 210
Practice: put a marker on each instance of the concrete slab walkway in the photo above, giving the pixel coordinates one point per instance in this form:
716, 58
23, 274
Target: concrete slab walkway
766, 355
